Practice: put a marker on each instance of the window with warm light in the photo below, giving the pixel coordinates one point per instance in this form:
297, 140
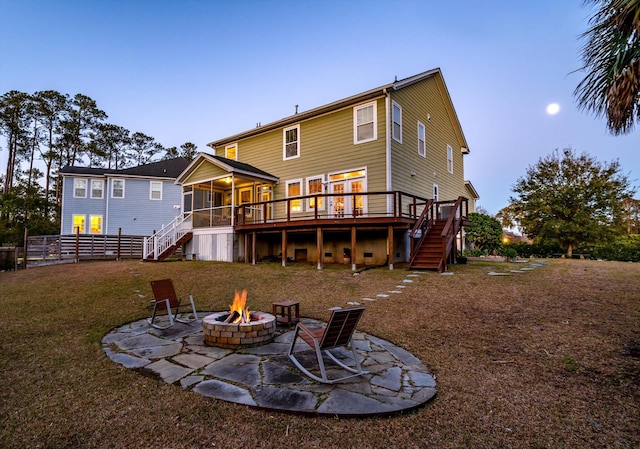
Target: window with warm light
315, 187
231, 152
291, 142
95, 224
78, 224
294, 188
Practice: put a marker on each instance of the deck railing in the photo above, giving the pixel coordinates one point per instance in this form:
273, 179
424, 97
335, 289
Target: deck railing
166, 237
332, 206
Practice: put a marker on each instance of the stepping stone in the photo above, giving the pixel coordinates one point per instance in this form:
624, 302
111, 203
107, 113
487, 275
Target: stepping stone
169, 372
407, 281
401, 286
413, 275
382, 295
368, 299
446, 273
493, 273
193, 360
394, 291
225, 391
353, 303
517, 271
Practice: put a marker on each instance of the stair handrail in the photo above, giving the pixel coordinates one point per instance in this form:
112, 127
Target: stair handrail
166, 237
423, 224
452, 227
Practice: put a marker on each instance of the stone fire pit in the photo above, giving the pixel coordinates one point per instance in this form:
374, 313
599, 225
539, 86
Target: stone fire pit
260, 330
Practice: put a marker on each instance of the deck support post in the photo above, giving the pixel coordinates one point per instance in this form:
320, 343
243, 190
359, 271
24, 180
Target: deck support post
390, 255
253, 247
246, 248
353, 248
320, 244
284, 247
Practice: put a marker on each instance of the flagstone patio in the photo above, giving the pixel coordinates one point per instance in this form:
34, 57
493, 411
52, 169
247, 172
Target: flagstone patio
264, 376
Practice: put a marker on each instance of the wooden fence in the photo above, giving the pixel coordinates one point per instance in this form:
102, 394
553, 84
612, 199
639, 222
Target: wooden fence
8, 258
52, 248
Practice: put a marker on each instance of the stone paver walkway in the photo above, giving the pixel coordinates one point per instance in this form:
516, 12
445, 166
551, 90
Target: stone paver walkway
265, 377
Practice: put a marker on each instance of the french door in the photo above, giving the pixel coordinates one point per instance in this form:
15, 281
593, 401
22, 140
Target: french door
346, 202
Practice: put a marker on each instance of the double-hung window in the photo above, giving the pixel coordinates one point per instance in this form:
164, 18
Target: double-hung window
231, 152
365, 123
117, 188
97, 187
291, 142
294, 189
422, 147
79, 188
95, 224
396, 116
315, 186
449, 159
155, 190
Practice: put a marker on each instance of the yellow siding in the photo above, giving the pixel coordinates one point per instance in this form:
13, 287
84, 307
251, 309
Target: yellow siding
204, 172
326, 146
418, 102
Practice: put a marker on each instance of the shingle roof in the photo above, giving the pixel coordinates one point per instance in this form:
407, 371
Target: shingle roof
169, 168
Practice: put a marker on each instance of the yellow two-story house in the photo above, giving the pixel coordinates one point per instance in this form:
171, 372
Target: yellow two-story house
363, 181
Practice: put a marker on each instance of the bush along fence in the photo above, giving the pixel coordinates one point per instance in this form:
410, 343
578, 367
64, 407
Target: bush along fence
45, 249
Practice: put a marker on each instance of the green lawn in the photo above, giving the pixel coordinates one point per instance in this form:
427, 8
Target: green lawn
548, 358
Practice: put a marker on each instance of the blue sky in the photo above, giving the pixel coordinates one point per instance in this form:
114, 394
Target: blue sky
198, 70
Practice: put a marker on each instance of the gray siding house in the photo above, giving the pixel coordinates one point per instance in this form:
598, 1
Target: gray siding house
135, 200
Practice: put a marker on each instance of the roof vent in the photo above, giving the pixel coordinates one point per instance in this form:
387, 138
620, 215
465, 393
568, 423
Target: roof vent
296, 109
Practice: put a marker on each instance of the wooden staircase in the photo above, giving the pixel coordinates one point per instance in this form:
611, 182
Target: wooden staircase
431, 255
165, 242
172, 249
434, 235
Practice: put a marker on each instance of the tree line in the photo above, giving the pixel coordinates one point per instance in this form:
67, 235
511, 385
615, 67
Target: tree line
60, 130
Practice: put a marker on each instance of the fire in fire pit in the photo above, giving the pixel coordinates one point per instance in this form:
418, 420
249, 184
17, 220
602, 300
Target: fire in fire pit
239, 312
238, 327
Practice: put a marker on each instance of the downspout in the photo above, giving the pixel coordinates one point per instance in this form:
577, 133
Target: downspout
388, 150
390, 199
106, 211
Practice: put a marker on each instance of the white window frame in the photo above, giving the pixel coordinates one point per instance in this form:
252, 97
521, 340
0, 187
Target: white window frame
396, 137
77, 181
96, 181
151, 190
113, 188
295, 181
374, 105
422, 149
449, 159
229, 147
101, 224
321, 201
284, 142
436, 192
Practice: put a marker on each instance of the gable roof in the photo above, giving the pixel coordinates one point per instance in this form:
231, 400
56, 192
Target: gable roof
355, 99
228, 165
168, 168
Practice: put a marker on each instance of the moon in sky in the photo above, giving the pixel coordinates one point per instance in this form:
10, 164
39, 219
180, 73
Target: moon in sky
553, 108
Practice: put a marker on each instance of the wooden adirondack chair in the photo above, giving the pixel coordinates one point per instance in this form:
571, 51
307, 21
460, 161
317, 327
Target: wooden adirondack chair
165, 299
338, 332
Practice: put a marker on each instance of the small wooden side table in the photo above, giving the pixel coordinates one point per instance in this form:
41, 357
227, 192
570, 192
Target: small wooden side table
283, 313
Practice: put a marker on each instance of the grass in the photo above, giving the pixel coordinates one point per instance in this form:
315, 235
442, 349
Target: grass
546, 359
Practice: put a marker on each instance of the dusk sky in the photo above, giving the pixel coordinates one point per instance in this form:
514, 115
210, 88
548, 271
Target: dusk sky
198, 70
